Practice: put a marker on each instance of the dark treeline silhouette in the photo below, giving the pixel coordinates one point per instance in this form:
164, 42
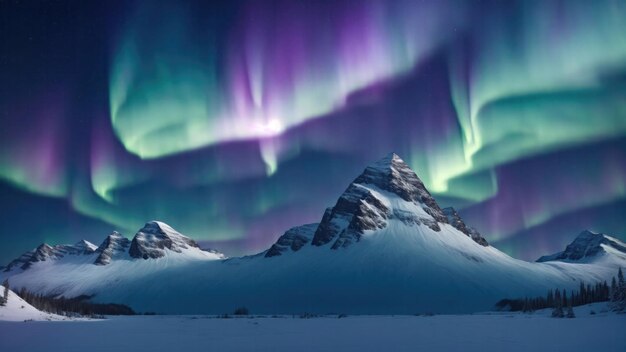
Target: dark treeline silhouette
559, 299
5, 294
618, 292
73, 306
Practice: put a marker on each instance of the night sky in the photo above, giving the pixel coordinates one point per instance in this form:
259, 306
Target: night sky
234, 121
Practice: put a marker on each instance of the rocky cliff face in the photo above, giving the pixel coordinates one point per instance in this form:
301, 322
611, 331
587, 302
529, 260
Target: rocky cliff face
113, 245
356, 211
587, 245
371, 201
393, 175
46, 252
155, 237
455, 220
292, 240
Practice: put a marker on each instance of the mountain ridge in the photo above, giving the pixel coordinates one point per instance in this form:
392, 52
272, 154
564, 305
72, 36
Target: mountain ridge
383, 248
587, 245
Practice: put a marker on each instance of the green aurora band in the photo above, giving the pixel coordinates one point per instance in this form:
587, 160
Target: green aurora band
210, 119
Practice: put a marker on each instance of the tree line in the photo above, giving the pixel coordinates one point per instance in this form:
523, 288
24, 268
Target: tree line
559, 299
77, 306
73, 306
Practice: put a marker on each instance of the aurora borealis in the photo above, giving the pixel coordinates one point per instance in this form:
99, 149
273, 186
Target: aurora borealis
233, 121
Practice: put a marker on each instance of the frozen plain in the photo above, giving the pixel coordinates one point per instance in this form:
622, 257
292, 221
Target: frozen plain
479, 332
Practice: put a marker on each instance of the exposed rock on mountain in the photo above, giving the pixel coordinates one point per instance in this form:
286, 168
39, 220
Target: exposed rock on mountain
375, 197
113, 245
46, 252
455, 220
384, 248
294, 239
152, 240
588, 245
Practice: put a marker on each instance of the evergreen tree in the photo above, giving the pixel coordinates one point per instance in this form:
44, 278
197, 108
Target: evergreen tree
613, 292
526, 306
598, 292
619, 294
557, 312
570, 312
550, 299
583, 294
5, 296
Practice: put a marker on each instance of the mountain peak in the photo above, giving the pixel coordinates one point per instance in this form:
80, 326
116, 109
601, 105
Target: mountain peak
114, 244
155, 237
43, 252
85, 246
387, 162
587, 234
156, 225
586, 245
392, 174
387, 189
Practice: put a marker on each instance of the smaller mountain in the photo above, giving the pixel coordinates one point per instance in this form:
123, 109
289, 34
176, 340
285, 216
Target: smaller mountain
41, 253
455, 220
155, 237
46, 252
588, 246
152, 241
82, 247
114, 245
292, 240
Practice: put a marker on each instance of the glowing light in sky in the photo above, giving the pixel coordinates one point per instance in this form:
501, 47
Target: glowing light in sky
37, 154
282, 69
235, 120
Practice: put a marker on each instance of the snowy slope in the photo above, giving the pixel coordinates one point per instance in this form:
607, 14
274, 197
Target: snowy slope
468, 333
385, 247
46, 252
17, 309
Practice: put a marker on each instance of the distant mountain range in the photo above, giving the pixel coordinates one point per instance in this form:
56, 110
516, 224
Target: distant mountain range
385, 247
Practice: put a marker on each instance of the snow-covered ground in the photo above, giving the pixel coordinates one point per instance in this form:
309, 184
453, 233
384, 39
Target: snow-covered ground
480, 332
17, 309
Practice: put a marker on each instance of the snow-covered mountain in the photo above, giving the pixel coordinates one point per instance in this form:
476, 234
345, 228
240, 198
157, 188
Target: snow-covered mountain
113, 246
46, 252
590, 247
385, 247
155, 240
